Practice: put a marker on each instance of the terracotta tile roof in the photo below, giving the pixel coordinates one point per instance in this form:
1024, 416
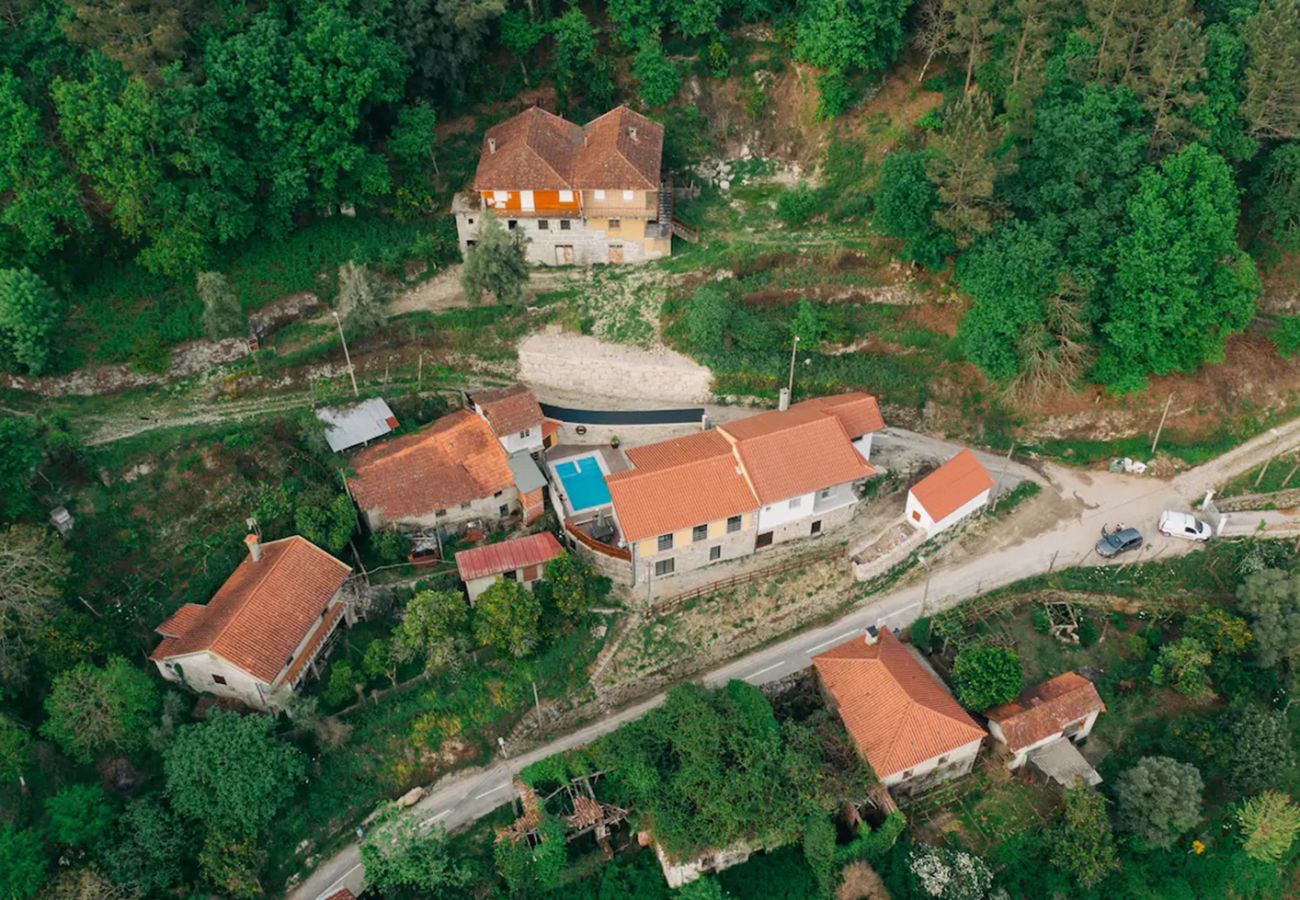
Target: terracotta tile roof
263, 611
332, 615
789, 453
506, 556
538, 150
679, 484
857, 411
342, 894
535, 150
954, 483
895, 710
612, 158
1046, 709
181, 621
509, 410
455, 460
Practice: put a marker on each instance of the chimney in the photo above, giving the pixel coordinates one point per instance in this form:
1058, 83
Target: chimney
492, 145
632, 132
254, 547
871, 635
783, 403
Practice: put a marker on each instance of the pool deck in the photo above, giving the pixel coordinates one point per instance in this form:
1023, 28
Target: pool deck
611, 458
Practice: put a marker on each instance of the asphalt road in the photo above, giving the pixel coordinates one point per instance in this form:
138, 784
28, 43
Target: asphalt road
1096, 499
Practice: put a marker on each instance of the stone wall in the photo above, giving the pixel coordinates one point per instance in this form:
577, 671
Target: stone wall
585, 366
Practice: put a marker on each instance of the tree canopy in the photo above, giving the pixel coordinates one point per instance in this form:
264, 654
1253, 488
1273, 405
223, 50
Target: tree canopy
93, 711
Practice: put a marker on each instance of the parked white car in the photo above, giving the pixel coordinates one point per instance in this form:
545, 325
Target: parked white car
1184, 525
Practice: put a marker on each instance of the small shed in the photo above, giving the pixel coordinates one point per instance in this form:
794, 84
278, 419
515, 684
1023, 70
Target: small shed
521, 559
351, 426
1064, 707
949, 494
530, 483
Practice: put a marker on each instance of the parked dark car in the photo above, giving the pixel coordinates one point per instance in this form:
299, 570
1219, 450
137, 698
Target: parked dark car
1121, 540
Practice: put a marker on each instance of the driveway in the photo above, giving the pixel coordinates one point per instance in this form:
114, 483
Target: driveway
1088, 501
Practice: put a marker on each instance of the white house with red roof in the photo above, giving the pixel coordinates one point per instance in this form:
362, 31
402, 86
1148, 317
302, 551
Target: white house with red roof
1062, 709
264, 630
949, 494
513, 414
900, 715
521, 559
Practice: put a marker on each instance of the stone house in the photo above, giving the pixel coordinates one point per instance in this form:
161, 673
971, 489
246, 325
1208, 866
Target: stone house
950, 493
1062, 709
578, 194
264, 631
904, 722
521, 559
513, 414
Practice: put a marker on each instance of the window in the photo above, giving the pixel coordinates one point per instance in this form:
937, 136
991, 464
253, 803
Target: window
498, 493
543, 225
525, 432
715, 554
566, 196
469, 244
665, 542
565, 225
503, 510
501, 197
615, 224
600, 195
219, 679
942, 760
699, 533
816, 527
512, 224
512, 575
763, 540
796, 502
826, 493
664, 567
628, 195
440, 513
916, 515
470, 221
733, 524
907, 774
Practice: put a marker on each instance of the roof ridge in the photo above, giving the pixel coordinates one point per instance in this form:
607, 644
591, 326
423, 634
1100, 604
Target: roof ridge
249, 594
532, 122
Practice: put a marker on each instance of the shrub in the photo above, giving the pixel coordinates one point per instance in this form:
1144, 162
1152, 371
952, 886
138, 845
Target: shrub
30, 314
1159, 800
1089, 633
796, 205
986, 676
1286, 336
1184, 666
1269, 824
1041, 620
834, 94
921, 634
392, 546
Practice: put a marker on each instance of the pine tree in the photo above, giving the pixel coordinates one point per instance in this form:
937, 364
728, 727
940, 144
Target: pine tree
222, 314
1272, 38
974, 24
362, 297
964, 166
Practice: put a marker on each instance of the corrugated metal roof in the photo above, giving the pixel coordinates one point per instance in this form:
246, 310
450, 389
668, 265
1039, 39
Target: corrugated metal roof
527, 476
350, 426
494, 559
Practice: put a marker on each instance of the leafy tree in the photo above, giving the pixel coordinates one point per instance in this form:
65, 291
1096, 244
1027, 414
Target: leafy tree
946, 874
22, 862
432, 629
1269, 824
85, 883
148, 849
905, 206
526, 868
33, 569
20, 456
1219, 630
1271, 600
963, 163
834, 94
807, 326
1278, 193
412, 139
495, 264
986, 676
576, 68
1036, 23
144, 36
1259, 746
1272, 38
1184, 666
1081, 844
344, 684
257, 776
15, 747
658, 77
507, 617
1181, 283
569, 579
230, 864
399, 853
222, 314
29, 316
80, 815
362, 297
710, 317
849, 34
378, 660
1219, 118
95, 710
1159, 799
391, 545
329, 526
443, 41
819, 849
520, 34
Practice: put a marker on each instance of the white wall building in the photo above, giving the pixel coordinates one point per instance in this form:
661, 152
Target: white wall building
950, 493
1066, 707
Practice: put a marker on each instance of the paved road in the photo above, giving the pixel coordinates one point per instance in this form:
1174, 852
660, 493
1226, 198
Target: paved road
1095, 498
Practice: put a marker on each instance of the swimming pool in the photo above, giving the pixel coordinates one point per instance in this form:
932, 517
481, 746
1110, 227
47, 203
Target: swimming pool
584, 483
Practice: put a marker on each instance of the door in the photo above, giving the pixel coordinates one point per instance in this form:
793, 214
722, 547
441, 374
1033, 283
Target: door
763, 540
564, 254
526, 200
616, 253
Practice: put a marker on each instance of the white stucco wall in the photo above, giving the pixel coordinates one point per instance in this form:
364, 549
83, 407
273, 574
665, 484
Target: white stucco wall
1020, 756
958, 762
917, 515
863, 446
197, 671
776, 514
513, 442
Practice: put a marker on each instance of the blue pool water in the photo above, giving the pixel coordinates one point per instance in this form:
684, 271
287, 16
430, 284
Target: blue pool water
583, 483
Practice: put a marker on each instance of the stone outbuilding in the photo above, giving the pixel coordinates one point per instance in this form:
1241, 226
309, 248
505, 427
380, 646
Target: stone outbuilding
1046, 721
521, 559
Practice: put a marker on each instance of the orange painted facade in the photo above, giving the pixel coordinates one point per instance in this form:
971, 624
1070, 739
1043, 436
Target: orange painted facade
544, 202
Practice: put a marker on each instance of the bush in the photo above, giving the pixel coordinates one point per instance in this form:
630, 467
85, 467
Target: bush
392, 546
1089, 633
921, 634
834, 94
796, 205
1159, 800
986, 676
1041, 621
1286, 336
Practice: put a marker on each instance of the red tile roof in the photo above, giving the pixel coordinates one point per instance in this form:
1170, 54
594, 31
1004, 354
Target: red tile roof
342, 894
455, 460
509, 410
955, 483
506, 556
1046, 709
261, 614
182, 620
896, 710
793, 452
678, 484
857, 411
538, 150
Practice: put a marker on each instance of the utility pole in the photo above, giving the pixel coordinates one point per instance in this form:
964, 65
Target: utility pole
346, 356
794, 348
537, 703
997, 488
1161, 426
